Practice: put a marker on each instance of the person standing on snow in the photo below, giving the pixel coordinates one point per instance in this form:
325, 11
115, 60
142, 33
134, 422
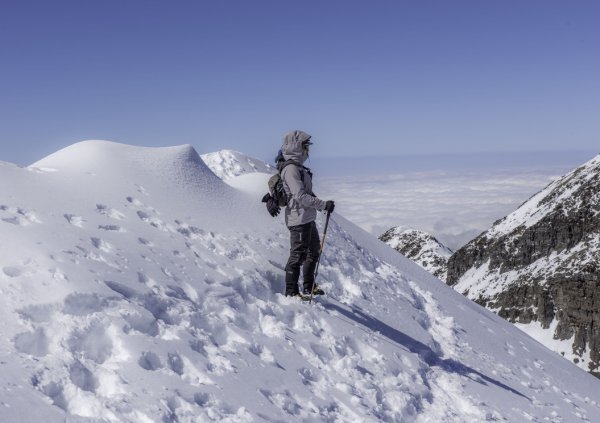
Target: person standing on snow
300, 214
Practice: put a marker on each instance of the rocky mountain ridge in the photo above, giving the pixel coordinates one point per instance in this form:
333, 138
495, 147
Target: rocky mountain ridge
539, 266
421, 247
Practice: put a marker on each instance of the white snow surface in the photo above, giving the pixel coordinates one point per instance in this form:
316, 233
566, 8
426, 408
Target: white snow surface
135, 286
227, 164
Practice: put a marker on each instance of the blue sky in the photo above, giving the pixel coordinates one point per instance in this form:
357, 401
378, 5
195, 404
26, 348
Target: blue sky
365, 77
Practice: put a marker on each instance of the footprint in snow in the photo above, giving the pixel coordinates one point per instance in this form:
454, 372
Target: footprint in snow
509, 348
109, 212
285, 401
54, 391
82, 304
202, 399
113, 228
309, 376
102, 245
152, 221
12, 271
217, 410
18, 216
142, 322
161, 308
190, 232
38, 313
32, 343
264, 354
143, 278
177, 292
150, 361
142, 190
135, 201
82, 377
122, 289
321, 352
74, 220
144, 241
199, 345
175, 363
92, 342
14, 221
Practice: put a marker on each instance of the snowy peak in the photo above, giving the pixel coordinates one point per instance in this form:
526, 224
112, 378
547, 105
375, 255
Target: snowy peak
227, 164
538, 266
563, 195
421, 247
179, 167
106, 156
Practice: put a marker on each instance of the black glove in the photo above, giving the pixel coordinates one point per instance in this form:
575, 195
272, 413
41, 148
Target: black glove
329, 206
272, 206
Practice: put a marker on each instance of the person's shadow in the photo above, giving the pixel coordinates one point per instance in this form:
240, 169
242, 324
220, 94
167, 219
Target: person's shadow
423, 351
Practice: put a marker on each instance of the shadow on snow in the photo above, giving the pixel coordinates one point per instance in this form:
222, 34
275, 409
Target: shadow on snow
423, 351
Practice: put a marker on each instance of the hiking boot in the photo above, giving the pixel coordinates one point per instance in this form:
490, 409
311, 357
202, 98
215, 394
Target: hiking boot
316, 291
302, 297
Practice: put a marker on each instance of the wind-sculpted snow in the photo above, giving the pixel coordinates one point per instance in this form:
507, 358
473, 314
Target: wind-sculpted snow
227, 164
127, 297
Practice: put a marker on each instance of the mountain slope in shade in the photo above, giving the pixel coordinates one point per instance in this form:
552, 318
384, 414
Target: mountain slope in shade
138, 287
227, 164
421, 247
540, 266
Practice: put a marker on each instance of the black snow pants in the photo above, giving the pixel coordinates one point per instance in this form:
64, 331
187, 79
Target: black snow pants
304, 252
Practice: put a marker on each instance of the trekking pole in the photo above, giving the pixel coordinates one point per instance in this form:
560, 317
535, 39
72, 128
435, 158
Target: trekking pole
320, 253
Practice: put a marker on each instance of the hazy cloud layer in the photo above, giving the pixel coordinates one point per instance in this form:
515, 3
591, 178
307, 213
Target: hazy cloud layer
455, 206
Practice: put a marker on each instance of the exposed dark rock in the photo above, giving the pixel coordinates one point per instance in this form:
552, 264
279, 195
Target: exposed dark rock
421, 247
542, 263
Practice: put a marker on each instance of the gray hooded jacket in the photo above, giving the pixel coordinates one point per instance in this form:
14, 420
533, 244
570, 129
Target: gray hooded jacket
297, 182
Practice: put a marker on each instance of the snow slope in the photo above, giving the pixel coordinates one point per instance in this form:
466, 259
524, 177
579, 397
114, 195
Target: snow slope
228, 164
421, 247
135, 286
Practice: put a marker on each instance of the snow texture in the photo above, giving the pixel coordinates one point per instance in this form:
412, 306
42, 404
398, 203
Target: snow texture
227, 164
136, 286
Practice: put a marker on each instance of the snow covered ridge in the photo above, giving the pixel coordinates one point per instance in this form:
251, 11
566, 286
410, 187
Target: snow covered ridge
539, 266
227, 164
135, 286
421, 247
565, 191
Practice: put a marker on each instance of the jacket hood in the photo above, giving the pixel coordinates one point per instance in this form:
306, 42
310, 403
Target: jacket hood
292, 146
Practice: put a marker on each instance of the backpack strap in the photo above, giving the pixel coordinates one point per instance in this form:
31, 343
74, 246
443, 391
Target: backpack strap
295, 163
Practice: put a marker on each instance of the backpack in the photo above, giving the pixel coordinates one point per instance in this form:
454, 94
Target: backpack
276, 185
277, 197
